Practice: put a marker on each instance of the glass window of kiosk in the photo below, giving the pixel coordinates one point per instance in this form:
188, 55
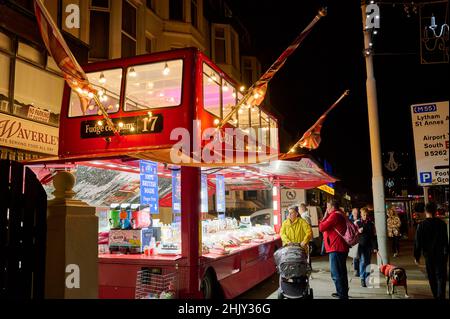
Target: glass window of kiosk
273, 134
211, 91
154, 85
264, 133
107, 83
228, 100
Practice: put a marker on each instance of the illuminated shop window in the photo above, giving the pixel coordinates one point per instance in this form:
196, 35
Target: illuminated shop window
154, 85
108, 85
228, 100
264, 131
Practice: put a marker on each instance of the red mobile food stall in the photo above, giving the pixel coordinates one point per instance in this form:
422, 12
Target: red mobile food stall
155, 101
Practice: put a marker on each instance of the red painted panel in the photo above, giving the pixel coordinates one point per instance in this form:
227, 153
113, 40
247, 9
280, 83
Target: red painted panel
116, 292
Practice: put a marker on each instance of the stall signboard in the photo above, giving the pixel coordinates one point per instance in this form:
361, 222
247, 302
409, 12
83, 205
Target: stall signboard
204, 194
431, 139
149, 185
220, 194
176, 195
291, 197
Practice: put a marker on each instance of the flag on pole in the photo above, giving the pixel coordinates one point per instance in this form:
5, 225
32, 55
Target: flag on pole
311, 138
257, 92
57, 47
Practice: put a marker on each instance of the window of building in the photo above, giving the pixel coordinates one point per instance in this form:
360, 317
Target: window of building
76, 32
99, 29
128, 30
234, 53
194, 13
4, 82
28, 5
219, 45
37, 94
30, 53
154, 85
108, 84
247, 71
150, 4
148, 45
211, 91
176, 10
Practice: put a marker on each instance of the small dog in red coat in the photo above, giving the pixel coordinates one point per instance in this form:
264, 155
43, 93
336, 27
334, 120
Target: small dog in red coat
395, 276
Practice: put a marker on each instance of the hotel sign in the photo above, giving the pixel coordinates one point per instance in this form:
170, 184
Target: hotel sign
27, 135
327, 189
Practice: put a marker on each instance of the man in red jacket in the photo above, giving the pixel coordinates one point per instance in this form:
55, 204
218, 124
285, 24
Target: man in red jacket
336, 247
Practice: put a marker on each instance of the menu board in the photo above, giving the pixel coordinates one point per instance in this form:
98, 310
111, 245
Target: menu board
149, 185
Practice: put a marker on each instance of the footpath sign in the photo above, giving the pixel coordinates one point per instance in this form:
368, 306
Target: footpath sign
431, 142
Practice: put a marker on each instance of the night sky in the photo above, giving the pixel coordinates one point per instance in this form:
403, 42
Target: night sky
330, 61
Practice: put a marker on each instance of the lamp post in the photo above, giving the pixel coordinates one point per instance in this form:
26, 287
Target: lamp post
374, 131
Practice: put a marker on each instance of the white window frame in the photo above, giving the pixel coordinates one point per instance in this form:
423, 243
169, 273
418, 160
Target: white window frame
122, 32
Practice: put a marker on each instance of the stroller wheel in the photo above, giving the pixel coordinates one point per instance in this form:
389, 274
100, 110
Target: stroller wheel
280, 295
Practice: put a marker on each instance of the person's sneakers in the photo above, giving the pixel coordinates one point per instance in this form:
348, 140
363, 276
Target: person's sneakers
335, 295
363, 283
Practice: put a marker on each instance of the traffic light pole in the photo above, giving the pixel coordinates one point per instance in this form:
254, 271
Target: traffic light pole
375, 147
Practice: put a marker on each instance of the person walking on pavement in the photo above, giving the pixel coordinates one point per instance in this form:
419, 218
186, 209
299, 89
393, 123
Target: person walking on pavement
304, 214
295, 230
336, 247
367, 244
393, 227
353, 217
432, 240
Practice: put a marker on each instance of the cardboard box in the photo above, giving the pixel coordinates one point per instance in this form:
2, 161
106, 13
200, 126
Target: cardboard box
130, 240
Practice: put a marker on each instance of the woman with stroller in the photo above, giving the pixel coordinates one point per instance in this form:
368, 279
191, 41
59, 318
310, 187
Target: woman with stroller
295, 230
393, 230
367, 244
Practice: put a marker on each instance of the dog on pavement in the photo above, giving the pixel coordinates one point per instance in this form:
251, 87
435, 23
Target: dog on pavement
395, 276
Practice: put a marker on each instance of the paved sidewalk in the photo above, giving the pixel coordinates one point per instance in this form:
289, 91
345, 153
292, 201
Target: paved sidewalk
323, 285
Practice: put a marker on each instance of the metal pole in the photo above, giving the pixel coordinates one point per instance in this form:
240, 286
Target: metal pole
425, 194
377, 172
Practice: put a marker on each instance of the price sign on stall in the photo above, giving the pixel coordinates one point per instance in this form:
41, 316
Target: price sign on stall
220, 194
204, 194
149, 185
430, 127
176, 194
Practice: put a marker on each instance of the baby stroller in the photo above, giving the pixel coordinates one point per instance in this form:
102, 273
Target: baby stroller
292, 263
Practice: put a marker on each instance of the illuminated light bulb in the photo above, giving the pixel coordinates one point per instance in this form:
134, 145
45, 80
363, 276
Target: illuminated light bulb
132, 73
216, 121
110, 107
372, 2
242, 88
132, 129
102, 78
120, 124
370, 44
256, 95
259, 148
235, 121
161, 94
172, 100
79, 90
225, 87
375, 32
248, 106
209, 80
91, 107
166, 70
240, 111
150, 85
100, 93
99, 113
234, 94
90, 95
377, 17
150, 114
85, 92
117, 106
100, 123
